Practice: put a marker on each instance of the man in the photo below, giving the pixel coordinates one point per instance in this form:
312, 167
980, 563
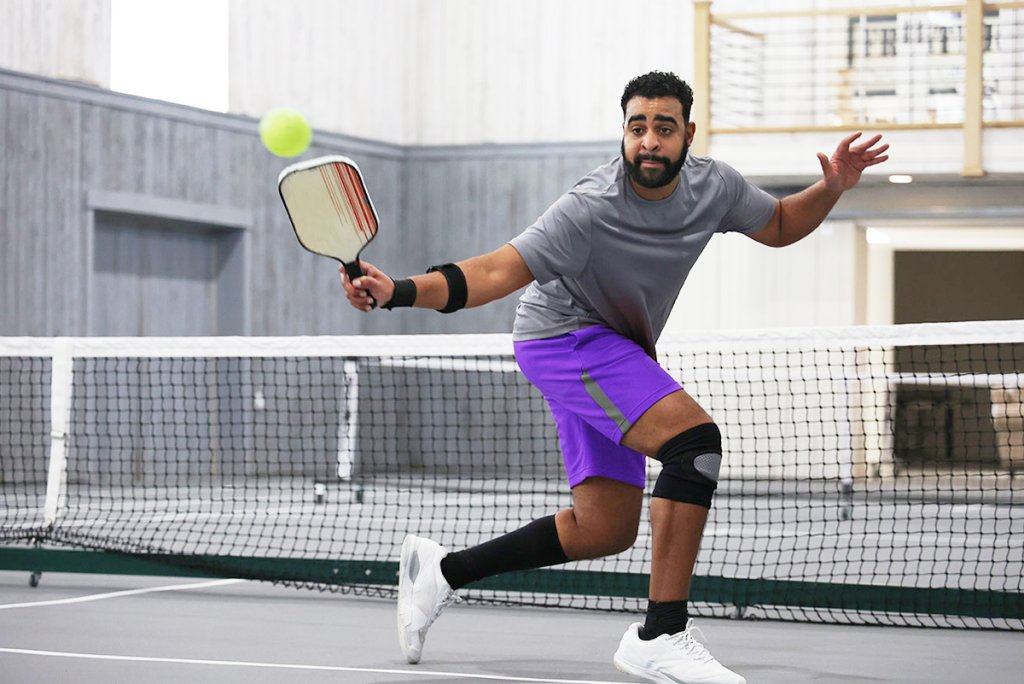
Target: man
606, 263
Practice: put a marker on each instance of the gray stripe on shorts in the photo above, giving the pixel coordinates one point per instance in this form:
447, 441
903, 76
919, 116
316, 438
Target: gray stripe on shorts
610, 409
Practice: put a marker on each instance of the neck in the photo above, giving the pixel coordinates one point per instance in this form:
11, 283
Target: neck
654, 194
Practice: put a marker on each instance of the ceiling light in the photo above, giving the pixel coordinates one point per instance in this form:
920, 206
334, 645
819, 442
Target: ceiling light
877, 237
901, 178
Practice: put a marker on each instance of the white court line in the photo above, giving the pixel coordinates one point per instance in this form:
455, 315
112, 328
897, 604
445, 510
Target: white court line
118, 594
285, 666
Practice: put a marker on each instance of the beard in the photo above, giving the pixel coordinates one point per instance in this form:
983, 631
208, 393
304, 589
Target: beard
654, 178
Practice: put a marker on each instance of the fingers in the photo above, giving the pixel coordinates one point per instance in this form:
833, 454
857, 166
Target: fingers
845, 143
369, 269
360, 296
366, 290
346, 283
826, 163
863, 154
870, 154
865, 150
867, 144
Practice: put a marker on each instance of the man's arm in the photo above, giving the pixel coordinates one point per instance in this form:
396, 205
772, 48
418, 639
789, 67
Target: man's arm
488, 277
797, 215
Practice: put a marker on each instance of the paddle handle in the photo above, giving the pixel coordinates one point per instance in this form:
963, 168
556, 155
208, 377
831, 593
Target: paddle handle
353, 269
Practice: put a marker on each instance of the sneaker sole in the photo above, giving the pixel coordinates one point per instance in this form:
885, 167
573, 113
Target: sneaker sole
637, 671
404, 588
626, 668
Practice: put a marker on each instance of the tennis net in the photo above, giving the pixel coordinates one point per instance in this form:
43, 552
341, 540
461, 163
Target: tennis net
872, 475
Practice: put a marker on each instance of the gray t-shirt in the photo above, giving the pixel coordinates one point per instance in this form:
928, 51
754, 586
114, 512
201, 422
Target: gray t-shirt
602, 255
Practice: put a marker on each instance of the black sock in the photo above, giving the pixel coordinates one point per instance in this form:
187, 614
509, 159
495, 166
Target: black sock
664, 617
533, 546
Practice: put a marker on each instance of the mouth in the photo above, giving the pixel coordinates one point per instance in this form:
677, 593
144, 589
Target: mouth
651, 163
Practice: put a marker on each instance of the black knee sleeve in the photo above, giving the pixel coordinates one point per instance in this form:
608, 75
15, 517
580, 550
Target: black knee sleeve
689, 466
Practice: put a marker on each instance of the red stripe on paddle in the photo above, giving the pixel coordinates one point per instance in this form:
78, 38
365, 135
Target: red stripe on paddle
357, 194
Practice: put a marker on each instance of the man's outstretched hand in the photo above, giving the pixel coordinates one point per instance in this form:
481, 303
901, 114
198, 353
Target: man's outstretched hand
844, 169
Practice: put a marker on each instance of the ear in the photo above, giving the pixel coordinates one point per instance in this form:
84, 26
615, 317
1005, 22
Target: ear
691, 130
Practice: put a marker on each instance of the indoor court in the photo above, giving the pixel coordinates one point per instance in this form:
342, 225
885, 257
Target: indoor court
209, 459
77, 628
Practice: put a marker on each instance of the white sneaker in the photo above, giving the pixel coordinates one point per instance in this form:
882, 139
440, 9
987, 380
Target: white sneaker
422, 593
671, 659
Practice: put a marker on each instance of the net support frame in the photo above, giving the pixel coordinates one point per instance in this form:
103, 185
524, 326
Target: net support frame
878, 375
60, 416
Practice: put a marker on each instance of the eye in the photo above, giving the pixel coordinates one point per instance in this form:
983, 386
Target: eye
666, 131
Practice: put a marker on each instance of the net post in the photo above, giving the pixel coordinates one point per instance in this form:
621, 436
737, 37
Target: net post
1008, 422
348, 427
876, 452
61, 370
845, 451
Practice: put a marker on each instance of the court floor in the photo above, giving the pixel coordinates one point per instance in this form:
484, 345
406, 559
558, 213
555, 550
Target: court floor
98, 628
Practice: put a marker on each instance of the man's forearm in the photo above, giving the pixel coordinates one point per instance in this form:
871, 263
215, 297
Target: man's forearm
488, 277
802, 212
431, 290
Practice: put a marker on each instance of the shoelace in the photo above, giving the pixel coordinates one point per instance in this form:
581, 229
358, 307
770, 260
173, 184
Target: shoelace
448, 600
691, 646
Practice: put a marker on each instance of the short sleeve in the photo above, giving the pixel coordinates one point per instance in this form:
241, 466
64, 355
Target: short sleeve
558, 243
750, 207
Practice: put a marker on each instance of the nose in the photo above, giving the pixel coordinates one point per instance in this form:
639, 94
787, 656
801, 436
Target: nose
650, 141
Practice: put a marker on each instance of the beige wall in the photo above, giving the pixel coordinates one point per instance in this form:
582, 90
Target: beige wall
437, 72
739, 283
440, 72
66, 39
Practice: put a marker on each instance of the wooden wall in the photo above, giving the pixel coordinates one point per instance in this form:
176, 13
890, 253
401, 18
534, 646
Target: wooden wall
467, 201
67, 39
71, 152
428, 72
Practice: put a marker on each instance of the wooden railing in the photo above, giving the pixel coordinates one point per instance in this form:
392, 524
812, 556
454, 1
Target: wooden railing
955, 66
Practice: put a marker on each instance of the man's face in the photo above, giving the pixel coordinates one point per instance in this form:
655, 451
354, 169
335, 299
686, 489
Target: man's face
654, 144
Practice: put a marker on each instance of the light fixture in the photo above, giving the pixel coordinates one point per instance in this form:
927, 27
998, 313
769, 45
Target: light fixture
901, 178
877, 237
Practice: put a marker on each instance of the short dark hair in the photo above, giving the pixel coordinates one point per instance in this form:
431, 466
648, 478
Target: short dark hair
659, 84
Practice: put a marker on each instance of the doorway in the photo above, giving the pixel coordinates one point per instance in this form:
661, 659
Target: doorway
166, 277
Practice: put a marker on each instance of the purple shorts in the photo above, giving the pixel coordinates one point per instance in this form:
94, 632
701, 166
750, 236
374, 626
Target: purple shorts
597, 383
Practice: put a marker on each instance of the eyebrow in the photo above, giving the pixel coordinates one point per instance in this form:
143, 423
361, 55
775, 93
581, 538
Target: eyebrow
657, 117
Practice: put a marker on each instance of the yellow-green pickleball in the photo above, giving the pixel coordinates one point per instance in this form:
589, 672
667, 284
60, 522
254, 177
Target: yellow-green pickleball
285, 132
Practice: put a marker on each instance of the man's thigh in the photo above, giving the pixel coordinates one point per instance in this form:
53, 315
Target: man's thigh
605, 379
670, 415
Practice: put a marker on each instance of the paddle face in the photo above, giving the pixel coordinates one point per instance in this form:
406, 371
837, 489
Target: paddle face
329, 208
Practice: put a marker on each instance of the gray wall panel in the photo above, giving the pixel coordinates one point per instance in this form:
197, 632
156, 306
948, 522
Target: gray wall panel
435, 205
460, 205
40, 205
63, 143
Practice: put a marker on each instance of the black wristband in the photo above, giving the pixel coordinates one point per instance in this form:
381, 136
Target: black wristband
458, 293
404, 295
